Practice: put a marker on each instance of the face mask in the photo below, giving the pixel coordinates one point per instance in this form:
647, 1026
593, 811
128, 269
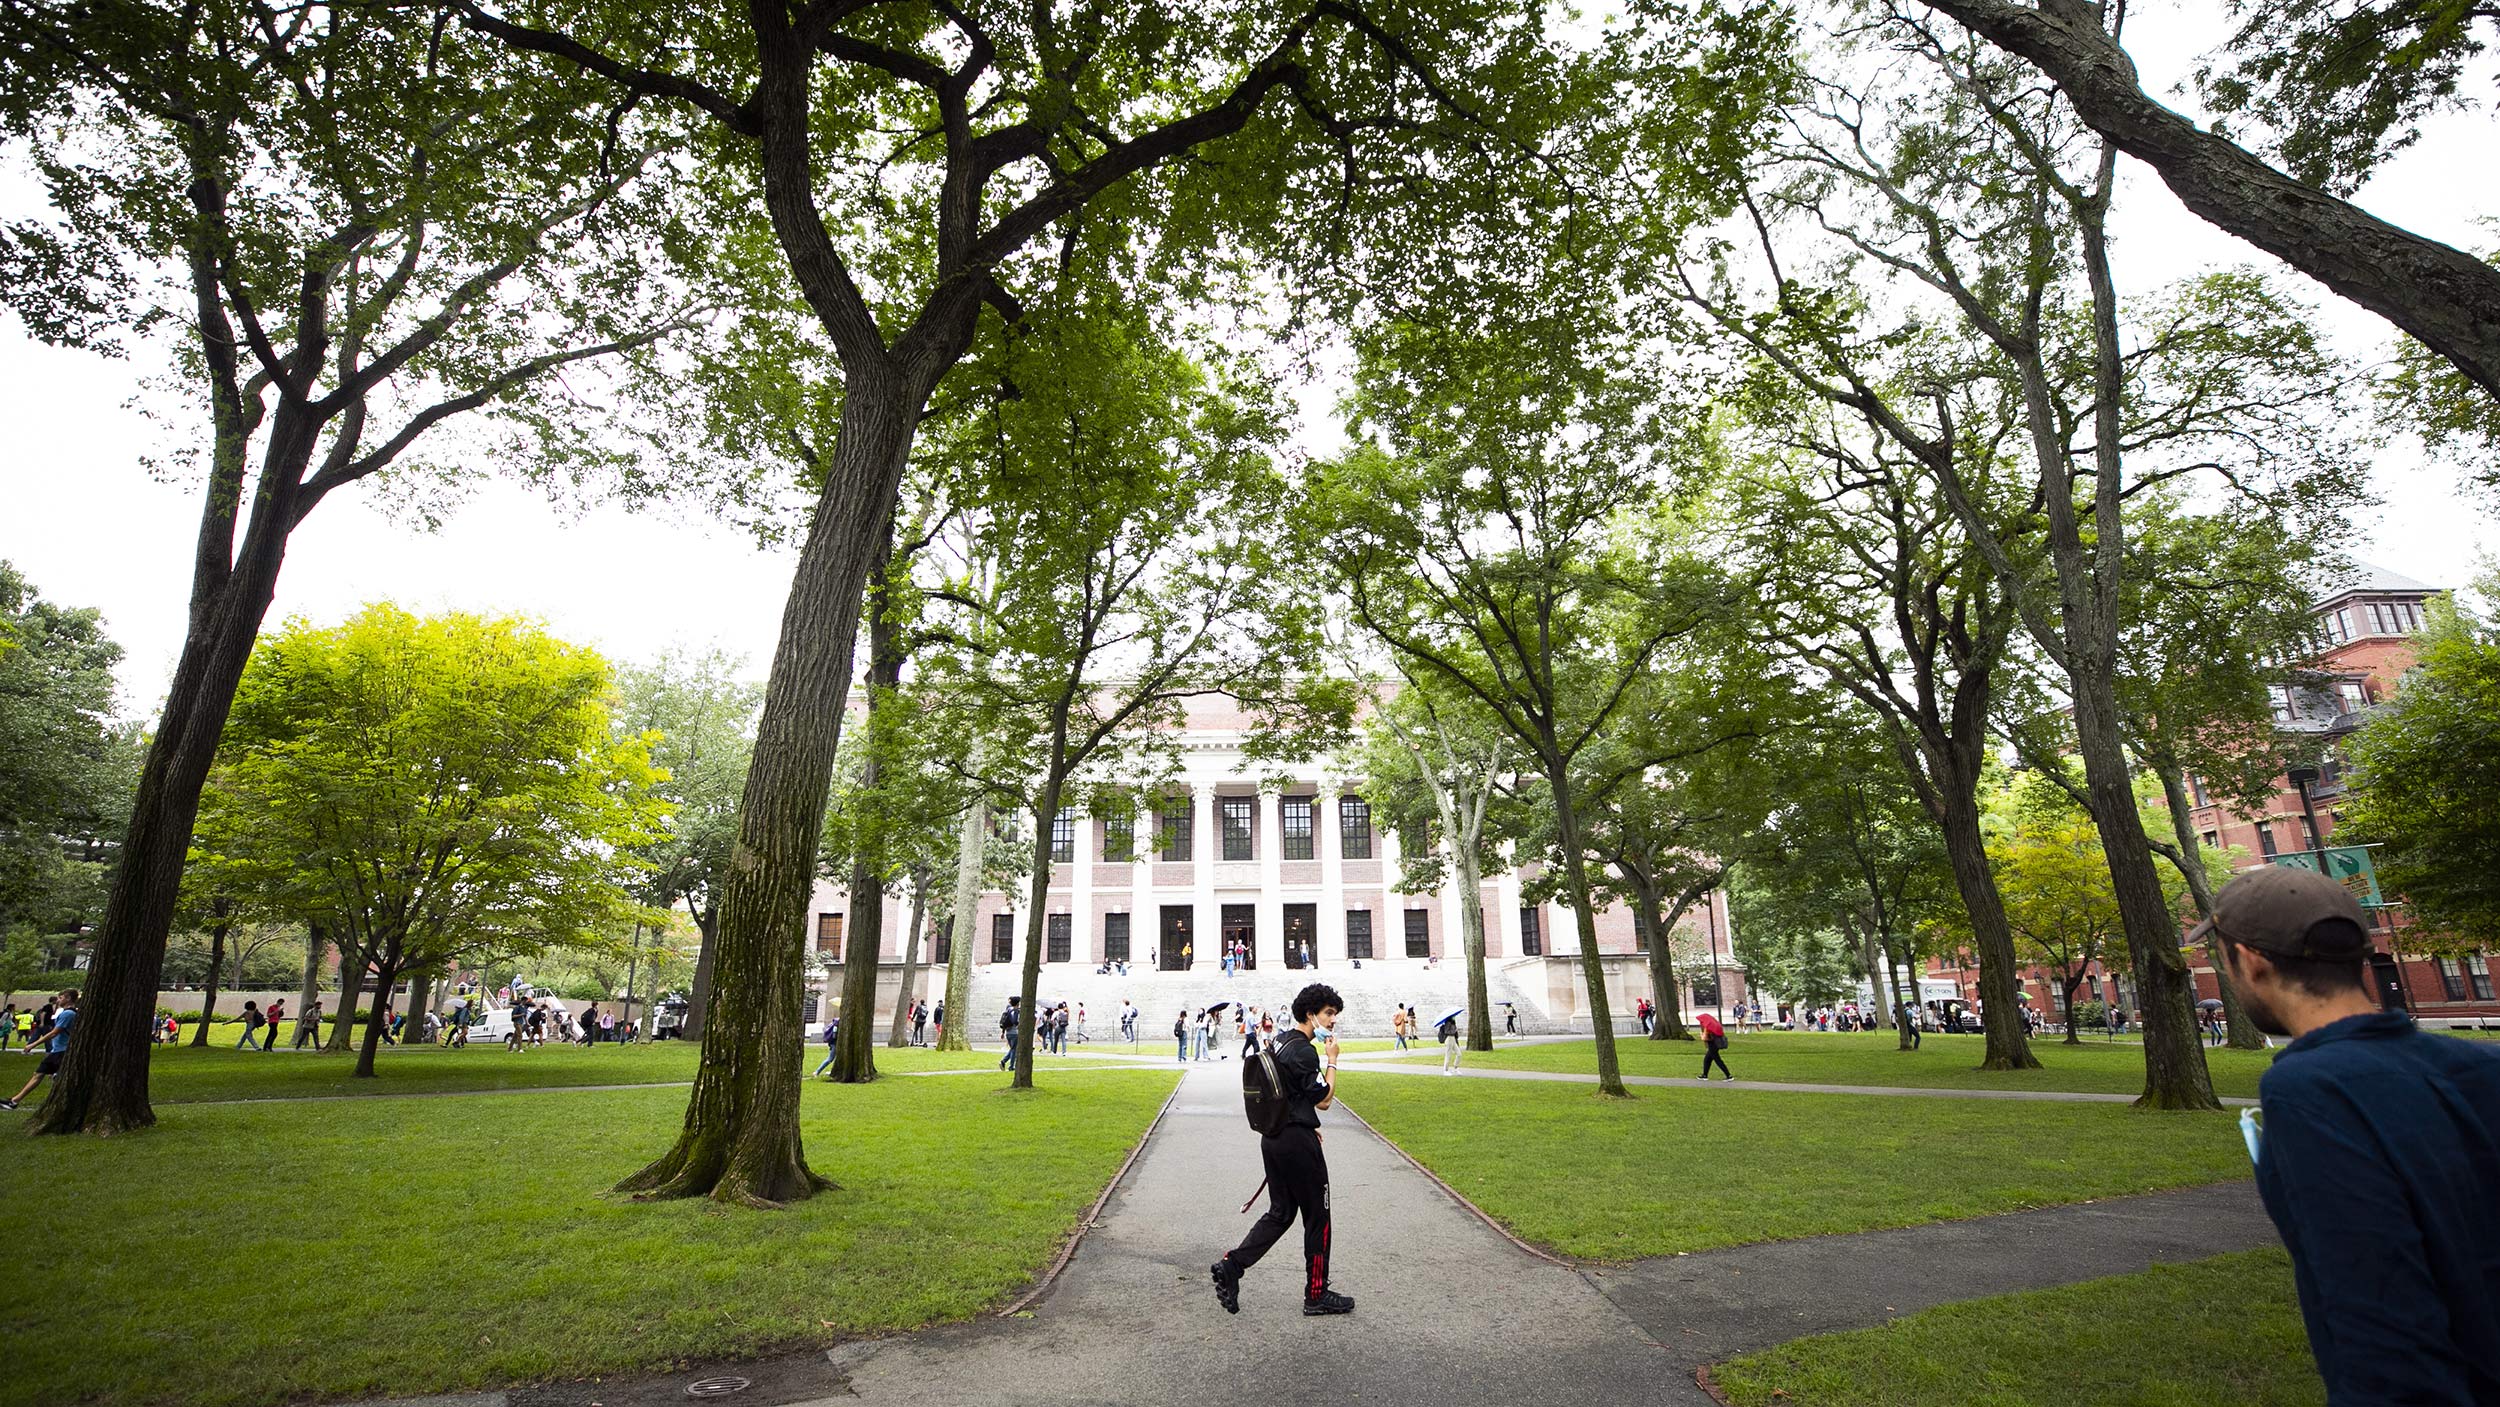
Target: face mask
2252, 1132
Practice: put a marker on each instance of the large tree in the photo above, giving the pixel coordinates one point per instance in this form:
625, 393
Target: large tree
2296, 65
912, 161
431, 790
700, 705
353, 225
65, 766
1491, 528
1132, 493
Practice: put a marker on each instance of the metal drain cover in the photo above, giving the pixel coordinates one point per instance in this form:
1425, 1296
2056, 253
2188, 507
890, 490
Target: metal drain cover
716, 1387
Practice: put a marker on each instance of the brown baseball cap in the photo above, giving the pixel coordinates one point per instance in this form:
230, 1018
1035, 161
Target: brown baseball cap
2286, 911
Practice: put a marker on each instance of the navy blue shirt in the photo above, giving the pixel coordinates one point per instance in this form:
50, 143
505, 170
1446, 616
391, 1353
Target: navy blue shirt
2381, 1168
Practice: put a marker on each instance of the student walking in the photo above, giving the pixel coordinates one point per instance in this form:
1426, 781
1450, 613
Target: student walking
1713, 1045
920, 1022
1180, 1036
1397, 1029
833, 1032
1447, 1033
1007, 1028
251, 1026
1297, 1171
54, 1035
2377, 1153
269, 1024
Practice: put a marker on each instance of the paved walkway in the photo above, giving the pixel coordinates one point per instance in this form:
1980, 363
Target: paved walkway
1401, 1066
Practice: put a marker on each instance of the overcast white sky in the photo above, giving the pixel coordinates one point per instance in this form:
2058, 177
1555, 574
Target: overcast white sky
80, 516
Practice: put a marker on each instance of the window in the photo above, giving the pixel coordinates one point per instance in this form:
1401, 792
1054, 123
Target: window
1177, 821
2196, 791
2308, 835
2265, 838
1295, 814
1239, 814
2355, 698
1706, 992
2212, 839
1115, 937
1418, 933
2413, 615
2339, 625
1063, 838
1002, 938
1057, 930
2478, 970
1354, 827
2451, 979
945, 940
1531, 931
829, 935
1358, 933
1119, 838
2279, 699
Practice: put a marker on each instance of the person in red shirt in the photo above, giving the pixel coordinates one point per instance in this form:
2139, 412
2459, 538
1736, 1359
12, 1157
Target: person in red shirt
1713, 1045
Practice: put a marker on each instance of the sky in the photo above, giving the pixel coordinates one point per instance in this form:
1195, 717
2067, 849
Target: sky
82, 518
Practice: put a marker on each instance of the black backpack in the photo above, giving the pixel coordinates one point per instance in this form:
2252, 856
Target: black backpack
1263, 1092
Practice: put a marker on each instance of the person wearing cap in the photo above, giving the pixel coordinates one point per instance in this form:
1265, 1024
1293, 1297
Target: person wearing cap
2379, 1156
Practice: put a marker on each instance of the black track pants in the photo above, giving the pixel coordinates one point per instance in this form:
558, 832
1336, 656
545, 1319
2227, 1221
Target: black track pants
1712, 1057
1297, 1184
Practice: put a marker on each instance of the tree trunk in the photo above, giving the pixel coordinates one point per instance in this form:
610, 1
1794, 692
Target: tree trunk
1666, 991
385, 976
900, 1035
1870, 954
1471, 943
419, 987
2189, 856
2073, 1036
1903, 997
855, 1044
315, 942
1045, 809
1965, 848
971, 853
1592, 970
2443, 296
699, 999
741, 1139
103, 1084
352, 962
208, 993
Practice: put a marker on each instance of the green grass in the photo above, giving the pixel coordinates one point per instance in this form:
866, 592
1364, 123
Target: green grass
256, 1254
1681, 1170
1872, 1058
182, 1075
2217, 1333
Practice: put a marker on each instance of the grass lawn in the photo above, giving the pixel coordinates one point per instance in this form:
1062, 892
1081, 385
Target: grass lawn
254, 1254
1682, 1170
1872, 1058
2217, 1333
182, 1075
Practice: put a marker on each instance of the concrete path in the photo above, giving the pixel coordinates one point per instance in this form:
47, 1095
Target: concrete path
1401, 1065
1449, 1311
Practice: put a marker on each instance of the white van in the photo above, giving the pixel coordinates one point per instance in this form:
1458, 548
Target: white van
496, 1024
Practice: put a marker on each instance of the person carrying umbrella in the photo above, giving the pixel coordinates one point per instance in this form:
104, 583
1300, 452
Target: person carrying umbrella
1297, 1173
2210, 1011
1445, 1031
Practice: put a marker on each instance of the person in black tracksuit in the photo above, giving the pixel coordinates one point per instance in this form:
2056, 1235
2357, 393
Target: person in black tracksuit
1297, 1173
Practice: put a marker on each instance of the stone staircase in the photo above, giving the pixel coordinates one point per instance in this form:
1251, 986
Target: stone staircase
1371, 994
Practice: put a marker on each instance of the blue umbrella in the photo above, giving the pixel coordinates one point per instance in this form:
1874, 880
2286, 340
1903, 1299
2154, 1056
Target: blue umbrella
1452, 1014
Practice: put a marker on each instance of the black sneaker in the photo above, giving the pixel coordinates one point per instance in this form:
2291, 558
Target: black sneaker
1328, 1302
1227, 1278
8, 1103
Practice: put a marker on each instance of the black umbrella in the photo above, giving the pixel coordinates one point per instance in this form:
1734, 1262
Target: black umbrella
2210, 1004
1217, 1009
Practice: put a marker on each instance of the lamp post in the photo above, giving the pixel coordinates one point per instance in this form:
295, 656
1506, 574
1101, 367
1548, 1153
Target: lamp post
2301, 778
1718, 979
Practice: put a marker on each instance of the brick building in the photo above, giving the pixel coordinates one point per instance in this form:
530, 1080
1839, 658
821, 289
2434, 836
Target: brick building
2365, 644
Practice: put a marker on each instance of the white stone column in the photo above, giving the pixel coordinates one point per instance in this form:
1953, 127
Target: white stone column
1269, 843
1389, 930
1081, 923
1207, 928
1506, 921
1330, 842
1145, 920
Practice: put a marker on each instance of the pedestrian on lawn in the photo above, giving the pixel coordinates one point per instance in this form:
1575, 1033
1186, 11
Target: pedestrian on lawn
55, 1037
1180, 1036
269, 1024
1909, 1022
1007, 1028
2378, 1151
1713, 1045
308, 1026
1297, 1171
251, 1026
833, 1032
1448, 1035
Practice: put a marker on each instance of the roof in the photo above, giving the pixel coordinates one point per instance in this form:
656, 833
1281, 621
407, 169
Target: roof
2372, 580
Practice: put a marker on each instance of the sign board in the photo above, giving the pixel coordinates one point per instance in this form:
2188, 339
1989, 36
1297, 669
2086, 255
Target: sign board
2347, 865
